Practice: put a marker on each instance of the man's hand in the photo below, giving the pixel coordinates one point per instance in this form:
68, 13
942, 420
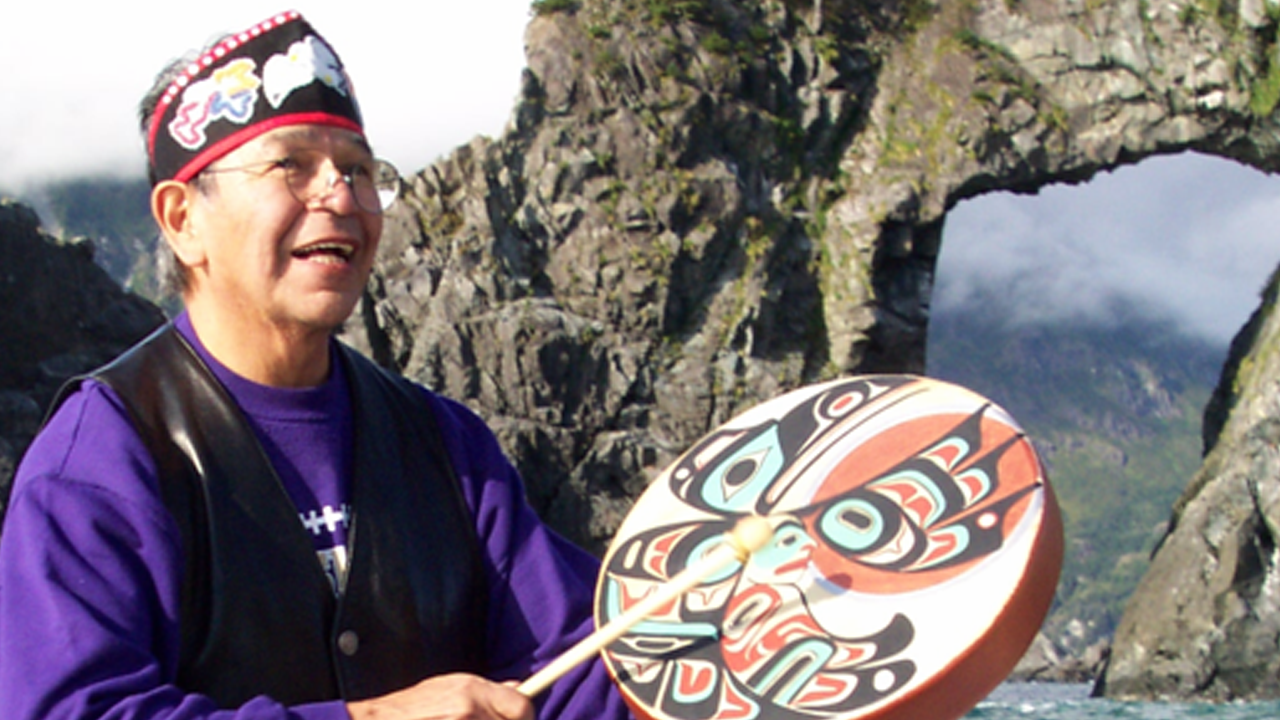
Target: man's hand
447, 697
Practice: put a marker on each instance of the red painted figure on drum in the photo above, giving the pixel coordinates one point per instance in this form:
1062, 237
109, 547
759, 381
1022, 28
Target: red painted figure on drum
915, 552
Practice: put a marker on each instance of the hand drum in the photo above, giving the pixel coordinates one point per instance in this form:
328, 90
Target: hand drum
916, 550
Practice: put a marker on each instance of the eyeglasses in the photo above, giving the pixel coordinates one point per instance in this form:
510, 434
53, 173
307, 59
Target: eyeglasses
375, 184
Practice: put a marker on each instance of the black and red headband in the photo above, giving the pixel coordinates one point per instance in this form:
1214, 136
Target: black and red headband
279, 72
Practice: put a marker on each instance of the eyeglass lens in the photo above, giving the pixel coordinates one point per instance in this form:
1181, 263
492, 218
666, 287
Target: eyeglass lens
374, 184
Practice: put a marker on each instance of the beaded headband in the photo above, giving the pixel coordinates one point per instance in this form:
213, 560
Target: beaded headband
278, 72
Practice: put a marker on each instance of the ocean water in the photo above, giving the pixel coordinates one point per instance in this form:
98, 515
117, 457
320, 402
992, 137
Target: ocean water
1044, 701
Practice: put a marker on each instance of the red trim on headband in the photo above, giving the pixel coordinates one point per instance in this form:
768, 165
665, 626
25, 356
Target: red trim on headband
231, 142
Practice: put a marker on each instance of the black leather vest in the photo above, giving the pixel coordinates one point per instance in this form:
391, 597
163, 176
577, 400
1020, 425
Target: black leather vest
258, 614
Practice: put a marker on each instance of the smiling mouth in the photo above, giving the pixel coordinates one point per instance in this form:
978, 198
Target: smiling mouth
326, 253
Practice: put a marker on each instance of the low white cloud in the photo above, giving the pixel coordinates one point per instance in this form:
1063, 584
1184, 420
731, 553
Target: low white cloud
1189, 238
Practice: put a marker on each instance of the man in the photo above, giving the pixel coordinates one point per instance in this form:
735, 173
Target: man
242, 518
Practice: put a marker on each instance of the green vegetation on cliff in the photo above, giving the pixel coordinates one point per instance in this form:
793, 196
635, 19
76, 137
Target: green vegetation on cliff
1115, 412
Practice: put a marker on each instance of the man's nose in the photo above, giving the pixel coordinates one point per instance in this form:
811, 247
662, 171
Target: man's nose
339, 193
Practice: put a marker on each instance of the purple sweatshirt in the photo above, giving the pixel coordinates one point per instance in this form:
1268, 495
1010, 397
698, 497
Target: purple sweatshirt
90, 560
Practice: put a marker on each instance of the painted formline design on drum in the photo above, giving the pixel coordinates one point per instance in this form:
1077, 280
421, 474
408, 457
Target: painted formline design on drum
880, 489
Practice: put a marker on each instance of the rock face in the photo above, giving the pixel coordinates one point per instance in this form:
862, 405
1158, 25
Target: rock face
1204, 620
700, 204
1043, 662
62, 315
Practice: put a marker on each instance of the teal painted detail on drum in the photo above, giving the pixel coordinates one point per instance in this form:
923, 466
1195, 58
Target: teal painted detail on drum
839, 531
785, 546
613, 609
694, 698
804, 660
961, 535
735, 484
923, 482
707, 546
686, 629
984, 480
960, 444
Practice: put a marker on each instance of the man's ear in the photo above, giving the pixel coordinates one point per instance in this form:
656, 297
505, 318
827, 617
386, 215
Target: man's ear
172, 205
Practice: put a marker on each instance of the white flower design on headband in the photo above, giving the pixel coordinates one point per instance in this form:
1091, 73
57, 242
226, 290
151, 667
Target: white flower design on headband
308, 60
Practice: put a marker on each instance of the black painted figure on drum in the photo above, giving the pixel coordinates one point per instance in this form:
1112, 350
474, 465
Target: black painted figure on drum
916, 548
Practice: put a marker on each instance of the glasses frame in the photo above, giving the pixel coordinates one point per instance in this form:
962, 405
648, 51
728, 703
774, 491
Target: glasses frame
381, 170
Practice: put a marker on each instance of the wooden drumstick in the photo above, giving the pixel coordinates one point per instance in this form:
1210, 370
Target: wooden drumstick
748, 536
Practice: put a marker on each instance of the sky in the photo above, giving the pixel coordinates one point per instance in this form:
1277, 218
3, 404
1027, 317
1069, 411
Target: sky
1187, 238
429, 74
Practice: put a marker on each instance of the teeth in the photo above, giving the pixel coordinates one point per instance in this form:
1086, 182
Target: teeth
339, 249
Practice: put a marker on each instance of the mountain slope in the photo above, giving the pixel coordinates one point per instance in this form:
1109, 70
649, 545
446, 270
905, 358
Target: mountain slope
115, 213
1115, 411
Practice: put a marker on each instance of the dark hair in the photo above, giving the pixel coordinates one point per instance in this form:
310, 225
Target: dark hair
151, 101
170, 272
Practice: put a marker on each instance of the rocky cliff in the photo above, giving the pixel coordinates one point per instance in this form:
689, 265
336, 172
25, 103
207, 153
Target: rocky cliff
1115, 412
62, 314
1205, 618
701, 203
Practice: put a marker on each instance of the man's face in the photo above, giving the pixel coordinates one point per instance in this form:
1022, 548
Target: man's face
271, 258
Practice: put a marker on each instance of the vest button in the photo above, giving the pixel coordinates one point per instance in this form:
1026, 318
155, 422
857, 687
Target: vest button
348, 642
